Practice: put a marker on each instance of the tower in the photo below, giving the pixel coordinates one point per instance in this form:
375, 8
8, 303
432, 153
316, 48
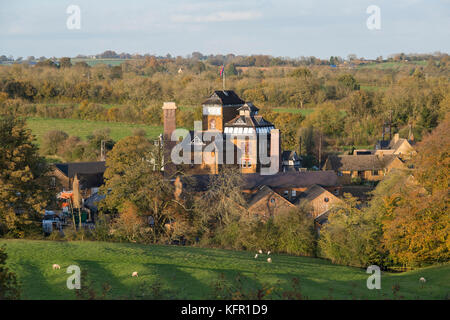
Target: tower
169, 114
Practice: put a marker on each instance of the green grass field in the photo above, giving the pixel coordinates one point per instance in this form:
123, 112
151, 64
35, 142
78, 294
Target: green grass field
303, 112
189, 271
83, 128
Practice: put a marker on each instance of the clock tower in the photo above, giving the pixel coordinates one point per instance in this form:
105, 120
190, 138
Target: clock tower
220, 108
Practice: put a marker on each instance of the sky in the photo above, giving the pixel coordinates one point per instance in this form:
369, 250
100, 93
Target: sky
284, 28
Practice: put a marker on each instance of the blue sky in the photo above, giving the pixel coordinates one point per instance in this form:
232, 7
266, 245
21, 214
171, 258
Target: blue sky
322, 28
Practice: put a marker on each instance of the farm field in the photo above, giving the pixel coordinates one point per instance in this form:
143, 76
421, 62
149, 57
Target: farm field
189, 272
83, 128
392, 65
93, 62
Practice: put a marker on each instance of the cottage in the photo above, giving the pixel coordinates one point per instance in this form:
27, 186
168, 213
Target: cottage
320, 201
290, 161
88, 174
364, 167
265, 203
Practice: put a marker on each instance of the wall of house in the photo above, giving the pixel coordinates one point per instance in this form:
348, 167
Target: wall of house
269, 206
323, 203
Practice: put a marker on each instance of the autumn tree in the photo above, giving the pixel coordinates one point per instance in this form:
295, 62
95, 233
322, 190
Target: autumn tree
223, 201
24, 183
133, 181
417, 226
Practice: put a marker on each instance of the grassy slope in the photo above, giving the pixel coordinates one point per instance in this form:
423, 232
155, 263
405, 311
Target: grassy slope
82, 128
190, 271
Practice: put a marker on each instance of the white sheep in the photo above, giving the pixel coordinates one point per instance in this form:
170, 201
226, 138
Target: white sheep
56, 267
268, 252
135, 274
269, 260
423, 280
256, 256
260, 251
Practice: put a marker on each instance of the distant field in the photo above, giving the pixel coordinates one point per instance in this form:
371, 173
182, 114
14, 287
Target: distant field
392, 65
83, 128
93, 62
189, 272
303, 112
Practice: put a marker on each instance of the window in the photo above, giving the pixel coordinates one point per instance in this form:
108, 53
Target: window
272, 200
375, 172
212, 124
294, 193
326, 199
339, 173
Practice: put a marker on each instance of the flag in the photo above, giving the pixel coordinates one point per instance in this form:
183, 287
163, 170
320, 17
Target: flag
221, 70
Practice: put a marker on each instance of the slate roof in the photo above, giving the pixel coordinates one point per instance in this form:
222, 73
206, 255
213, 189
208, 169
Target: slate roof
225, 98
72, 168
249, 121
90, 180
290, 179
289, 155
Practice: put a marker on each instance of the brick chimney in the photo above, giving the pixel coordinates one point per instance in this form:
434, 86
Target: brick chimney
169, 114
396, 137
275, 149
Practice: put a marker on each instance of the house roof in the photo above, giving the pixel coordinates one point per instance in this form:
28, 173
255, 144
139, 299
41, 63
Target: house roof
249, 121
359, 162
289, 155
72, 168
90, 180
248, 106
225, 98
290, 179
264, 191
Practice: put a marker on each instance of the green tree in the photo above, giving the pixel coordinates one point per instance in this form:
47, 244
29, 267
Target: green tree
9, 288
65, 62
133, 177
53, 141
24, 179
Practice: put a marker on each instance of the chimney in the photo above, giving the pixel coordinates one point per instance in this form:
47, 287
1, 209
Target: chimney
396, 137
169, 114
275, 150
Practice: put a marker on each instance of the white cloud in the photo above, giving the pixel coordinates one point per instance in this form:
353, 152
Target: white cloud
221, 16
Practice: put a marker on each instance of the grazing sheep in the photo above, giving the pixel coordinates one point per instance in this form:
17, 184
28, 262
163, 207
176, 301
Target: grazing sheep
260, 251
269, 260
423, 280
256, 256
268, 252
135, 274
56, 267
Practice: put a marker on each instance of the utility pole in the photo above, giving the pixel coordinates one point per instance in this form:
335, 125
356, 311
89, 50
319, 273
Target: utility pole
103, 151
320, 148
223, 79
